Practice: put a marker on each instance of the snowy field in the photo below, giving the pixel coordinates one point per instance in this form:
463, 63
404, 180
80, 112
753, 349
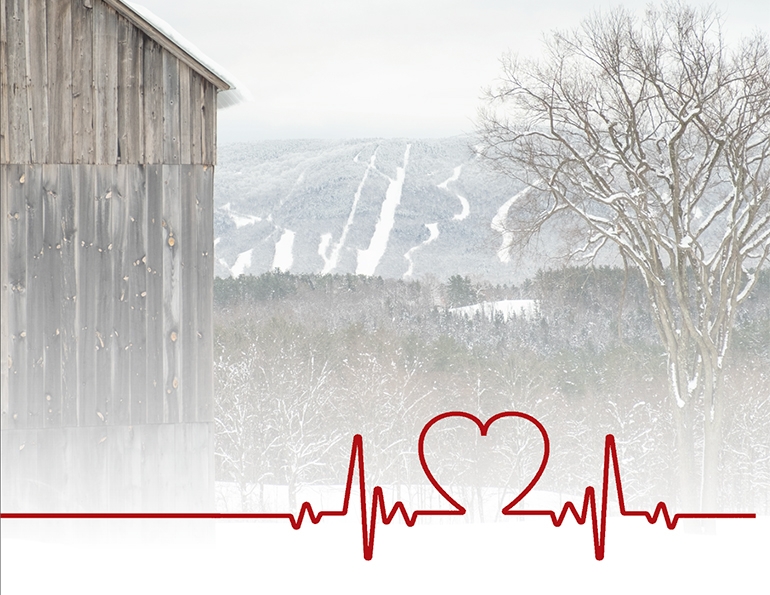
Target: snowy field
512, 556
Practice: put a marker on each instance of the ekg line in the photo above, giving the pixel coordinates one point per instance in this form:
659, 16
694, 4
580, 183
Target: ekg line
379, 509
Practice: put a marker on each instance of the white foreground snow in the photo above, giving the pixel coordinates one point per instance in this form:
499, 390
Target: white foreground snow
513, 556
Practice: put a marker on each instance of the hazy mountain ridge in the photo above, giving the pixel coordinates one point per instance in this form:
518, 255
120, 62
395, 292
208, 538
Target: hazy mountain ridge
327, 197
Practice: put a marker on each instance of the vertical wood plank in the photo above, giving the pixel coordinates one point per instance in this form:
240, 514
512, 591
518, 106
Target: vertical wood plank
6, 293
59, 23
51, 268
154, 298
83, 134
172, 291
204, 184
209, 124
137, 283
69, 289
171, 141
105, 67
197, 95
189, 314
86, 294
153, 102
37, 81
18, 108
130, 102
121, 341
185, 117
105, 305
36, 288
4, 115
15, 182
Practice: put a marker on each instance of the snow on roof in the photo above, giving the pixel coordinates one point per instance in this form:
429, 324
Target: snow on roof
230, 92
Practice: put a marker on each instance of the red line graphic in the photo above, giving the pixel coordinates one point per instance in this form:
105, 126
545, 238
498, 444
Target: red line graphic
379, 508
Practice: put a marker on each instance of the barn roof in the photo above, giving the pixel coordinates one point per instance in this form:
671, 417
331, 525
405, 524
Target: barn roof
165, 35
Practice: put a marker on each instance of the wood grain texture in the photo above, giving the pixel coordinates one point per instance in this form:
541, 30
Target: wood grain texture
173, 238
70, 273
36, 288
4, 115
105, 67
154, 298
37, 81
152, 67
204, 182
197, 96
171, 140
137, 284
6, 295
209, 115
60, 71
86, 293
121, 341
16, 331
51, 267
185, 114
105, 303
83, 133
130, 99
18, 107
189, 285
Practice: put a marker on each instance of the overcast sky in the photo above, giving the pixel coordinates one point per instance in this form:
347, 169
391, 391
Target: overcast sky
375, 68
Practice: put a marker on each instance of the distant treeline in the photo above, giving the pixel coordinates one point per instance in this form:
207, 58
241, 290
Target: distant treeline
303, 362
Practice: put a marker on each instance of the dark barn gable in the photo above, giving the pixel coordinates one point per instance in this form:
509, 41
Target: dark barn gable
107, 152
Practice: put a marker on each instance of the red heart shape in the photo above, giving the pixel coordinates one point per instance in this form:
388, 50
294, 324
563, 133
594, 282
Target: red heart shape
483, 428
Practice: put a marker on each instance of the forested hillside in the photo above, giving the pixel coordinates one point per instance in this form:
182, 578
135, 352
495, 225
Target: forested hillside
304, 362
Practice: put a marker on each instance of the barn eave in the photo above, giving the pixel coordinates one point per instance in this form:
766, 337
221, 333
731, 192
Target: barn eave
169, 39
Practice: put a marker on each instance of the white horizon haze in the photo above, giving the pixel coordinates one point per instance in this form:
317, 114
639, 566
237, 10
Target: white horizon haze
378, 68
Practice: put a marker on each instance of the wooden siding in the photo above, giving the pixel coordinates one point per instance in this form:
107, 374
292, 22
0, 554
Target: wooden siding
107, 307
82, 84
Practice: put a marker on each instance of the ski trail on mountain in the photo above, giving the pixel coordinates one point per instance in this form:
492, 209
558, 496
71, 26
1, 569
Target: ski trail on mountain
284, 258
498, 224
242, 262
369, 259
433, 229
463, 201
330, 262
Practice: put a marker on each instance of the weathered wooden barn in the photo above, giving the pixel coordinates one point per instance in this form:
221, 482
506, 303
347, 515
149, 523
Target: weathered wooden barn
107, 152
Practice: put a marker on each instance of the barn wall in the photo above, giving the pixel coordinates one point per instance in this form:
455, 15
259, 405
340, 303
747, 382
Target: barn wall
107, 326
107, 146
83, 85
107, 294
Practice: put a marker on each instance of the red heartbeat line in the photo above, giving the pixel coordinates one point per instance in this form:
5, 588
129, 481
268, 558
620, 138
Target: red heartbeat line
379, 508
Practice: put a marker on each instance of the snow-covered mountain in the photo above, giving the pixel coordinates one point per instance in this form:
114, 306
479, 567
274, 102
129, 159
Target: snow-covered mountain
394, 208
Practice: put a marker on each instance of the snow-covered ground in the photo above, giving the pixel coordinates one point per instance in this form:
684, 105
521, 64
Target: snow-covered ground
514, 556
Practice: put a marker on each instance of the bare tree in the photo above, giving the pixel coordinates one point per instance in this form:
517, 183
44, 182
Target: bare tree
653, 137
